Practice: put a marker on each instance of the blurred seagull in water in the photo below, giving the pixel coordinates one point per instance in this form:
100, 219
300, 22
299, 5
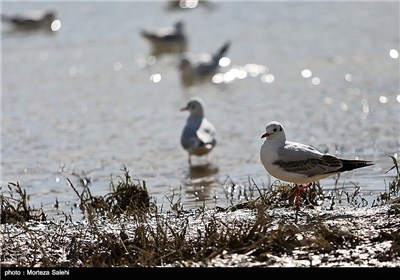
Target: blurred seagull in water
31, 20
205, 67
299, 163
198, 135
167, 39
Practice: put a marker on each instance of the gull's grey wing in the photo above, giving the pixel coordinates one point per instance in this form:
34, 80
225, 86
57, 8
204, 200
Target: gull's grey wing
204, 65
210, 62
307, 160
189, 134
207, 68
164, 34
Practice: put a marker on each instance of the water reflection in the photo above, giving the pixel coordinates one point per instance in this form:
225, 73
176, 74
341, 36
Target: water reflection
348, 77
188, 4
393, 53
242, 72
306, 73
200, 184
202, 171
383, 99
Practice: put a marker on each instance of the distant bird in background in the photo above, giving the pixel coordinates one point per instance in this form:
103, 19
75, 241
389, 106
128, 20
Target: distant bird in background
31, 20
198, 135
298, 163
167, 39
202, 69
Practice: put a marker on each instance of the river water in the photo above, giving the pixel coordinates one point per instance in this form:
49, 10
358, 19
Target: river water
88, 99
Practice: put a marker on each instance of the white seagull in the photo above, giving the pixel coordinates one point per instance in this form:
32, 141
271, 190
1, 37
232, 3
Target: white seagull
299, 163
198, 135
167, 39
204, 67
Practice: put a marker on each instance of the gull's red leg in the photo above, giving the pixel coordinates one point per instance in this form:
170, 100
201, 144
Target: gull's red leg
296, 192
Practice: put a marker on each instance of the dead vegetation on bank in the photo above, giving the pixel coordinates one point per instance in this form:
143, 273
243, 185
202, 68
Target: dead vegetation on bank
124, 229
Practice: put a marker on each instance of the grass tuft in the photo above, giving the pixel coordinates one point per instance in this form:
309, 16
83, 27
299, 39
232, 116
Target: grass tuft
126, 197
15, 209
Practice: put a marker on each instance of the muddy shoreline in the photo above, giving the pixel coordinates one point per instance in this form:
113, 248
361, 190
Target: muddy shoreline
344, 237
124, 229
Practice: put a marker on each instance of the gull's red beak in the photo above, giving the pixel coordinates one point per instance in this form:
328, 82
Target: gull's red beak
184, 108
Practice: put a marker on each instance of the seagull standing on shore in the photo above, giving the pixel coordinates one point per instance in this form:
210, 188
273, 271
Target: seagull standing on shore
299, 163
205, 67
198, 135
167, 39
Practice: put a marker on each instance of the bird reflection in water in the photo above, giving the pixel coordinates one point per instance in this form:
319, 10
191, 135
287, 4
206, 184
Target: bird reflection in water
200, 183
202, 171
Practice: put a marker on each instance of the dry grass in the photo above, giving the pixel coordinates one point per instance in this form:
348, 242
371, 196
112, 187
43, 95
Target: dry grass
126, 197
15, 207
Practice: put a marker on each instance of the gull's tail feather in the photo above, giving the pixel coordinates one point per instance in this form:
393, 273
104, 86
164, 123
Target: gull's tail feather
223, 50
350, 164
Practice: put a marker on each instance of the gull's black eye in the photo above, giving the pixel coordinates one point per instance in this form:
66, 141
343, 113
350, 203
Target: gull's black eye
192, 105
275, 129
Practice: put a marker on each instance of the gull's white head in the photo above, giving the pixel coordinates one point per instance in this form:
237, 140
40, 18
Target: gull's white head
274, 130
195, 106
